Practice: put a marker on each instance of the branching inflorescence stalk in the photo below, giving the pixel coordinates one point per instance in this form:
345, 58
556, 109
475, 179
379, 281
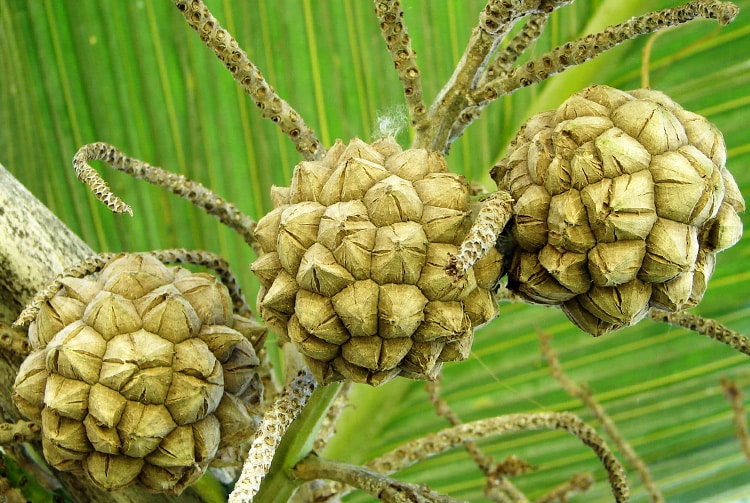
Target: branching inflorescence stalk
468, 92
247, 75
436, 443
200, 196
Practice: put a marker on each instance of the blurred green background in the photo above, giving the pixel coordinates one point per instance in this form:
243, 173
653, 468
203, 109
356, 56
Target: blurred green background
134, 75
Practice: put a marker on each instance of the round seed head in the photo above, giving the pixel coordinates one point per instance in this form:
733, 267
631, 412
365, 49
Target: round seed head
622, 200
363, 254
129, 371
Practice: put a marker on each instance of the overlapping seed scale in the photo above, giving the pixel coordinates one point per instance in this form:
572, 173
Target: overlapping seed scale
621, 198
353, 263
136, 375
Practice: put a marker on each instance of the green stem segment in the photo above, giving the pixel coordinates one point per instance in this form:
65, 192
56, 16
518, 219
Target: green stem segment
280, 483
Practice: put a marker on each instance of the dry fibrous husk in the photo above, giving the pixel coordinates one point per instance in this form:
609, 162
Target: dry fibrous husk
622, 202
353, 264
142, 375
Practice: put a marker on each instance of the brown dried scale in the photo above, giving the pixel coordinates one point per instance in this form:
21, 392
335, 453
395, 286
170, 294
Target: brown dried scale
353, 264
142, 375
621, 201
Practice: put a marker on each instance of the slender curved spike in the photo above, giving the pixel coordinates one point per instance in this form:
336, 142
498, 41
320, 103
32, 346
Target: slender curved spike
578, 51
380, 486
496, 211
495, 21
506, 57
19, 432
211, 261
404, 58
734, 395
270, 431
89, 265
435, 443
200, 196
704, 326
247, 75
605, 421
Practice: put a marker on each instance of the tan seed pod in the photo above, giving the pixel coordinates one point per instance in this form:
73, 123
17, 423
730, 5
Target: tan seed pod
53, 316
612, 264
399, 253
310, 345
112, 472
569, 268
393, 200
723, 231
320, 273
29, 387
317, 315
266, 231
76, 352
307, 181
531, 211
280, 196
297, 231
357, 307
652, 124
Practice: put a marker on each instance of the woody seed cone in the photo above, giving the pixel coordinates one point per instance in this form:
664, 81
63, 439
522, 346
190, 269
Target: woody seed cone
141, 376
353, 264
622, 200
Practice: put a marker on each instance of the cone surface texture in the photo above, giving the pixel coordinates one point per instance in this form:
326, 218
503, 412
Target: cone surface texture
622, 200
353, 264
143, 376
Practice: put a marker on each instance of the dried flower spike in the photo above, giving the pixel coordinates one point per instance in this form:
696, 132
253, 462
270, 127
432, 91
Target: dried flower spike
247, 75
200, 196
622, 200
143, 375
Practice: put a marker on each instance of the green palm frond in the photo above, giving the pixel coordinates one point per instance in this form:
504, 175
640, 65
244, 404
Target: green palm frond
134, 75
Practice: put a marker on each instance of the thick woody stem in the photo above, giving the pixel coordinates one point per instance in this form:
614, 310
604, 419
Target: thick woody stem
495, 21
268, 436
86, 266
496, 211
705, 326
734, 395
404, 58
380, 486
247, 75
578, 51
608, 425
210, 261
436, 443
200, 196
19, 432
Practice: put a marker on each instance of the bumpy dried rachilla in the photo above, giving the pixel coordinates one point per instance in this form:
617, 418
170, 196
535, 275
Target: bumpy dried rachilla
143, 375
353, 264
622, 200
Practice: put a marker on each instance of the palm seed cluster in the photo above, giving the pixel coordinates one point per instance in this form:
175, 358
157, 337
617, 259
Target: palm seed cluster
353, 264
142, 375
622, 200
